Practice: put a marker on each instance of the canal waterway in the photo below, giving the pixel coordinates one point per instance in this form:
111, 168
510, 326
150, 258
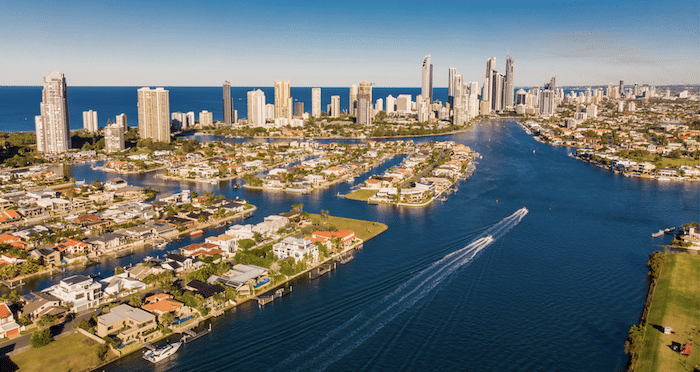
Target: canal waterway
557, 291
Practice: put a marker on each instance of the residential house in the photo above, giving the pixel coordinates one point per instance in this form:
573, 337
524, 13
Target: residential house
164, 303
8, 326
177, 263
78, 290
107, 242
346, 236
226, 243
121, 285
242, 278
129, 324
296, 248
46, 256
9, 216
115, 183
38, 304
201, 249
12, 240
72, 246
206, 290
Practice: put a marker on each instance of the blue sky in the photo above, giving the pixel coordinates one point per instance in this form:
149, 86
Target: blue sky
328, 43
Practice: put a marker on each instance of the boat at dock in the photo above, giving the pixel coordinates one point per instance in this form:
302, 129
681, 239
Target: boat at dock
161, 245
197, 233
155, 355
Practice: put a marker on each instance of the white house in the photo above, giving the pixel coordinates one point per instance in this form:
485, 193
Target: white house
296, 248
78, 290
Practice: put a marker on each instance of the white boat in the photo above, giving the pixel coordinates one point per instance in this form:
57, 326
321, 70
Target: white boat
156, 355
161, 245
351, 180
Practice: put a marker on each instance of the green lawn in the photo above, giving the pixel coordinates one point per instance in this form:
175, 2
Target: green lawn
364, 230
674, 304
361, 195
69, 353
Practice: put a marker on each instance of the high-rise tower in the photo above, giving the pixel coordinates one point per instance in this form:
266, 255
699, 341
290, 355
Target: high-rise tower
228, 104
90, 121
283, 100
352, 107
53, 126
427, 79
509, 84
451, 86
316, 102
154, 114
256, 108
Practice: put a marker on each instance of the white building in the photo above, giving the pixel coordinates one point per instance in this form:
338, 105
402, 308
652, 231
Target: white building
334, 107
256, 108
90, 121
53, 125
78, 290
403, 103
206, 119
114, 137
316, 102
296, 248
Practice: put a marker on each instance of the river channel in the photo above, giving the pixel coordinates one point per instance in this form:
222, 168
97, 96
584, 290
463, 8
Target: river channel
558, 291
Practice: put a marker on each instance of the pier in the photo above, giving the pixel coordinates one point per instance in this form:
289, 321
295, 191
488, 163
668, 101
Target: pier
266, 299
319, 271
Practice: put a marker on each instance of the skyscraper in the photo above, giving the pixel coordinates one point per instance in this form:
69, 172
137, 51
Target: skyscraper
488, 81
316, 102
366, 89
90, 121
256, 108
121, 120
364, 109
427, 79
114, 137
353, 100
497, 92
451, 85
228, 104
206, 119
154, 114
299, 109
334, 110
53, 126
283, 102
509, 84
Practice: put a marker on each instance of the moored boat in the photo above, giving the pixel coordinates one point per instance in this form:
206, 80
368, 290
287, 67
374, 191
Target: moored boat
156, 355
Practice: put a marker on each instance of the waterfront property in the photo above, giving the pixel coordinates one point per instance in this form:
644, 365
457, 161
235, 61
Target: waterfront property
674, 304
128, 324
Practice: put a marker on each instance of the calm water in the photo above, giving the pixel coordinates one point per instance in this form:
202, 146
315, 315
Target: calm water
557, 292
19, 105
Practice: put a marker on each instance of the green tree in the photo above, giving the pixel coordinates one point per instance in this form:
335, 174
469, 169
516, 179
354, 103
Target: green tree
40, 338
135, 300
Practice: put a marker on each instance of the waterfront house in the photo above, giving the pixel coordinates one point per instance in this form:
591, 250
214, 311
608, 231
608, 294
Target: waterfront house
107, 242
114, 184
226, 243
128, 323
241, 231
198, 250
46, 256
345, 236
242, 278
177, 263
80, 291
206, 290
8, 326
121, 285
163, 303
72, 246
296, 248
38, 304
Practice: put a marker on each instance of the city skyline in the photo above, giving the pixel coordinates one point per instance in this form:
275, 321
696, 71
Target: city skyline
312, 45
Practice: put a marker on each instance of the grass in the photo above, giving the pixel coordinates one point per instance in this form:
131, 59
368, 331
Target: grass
364, 230
674, 304
67, 354
361, 195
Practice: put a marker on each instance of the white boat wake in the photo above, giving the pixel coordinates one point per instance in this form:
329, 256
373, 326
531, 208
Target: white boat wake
367, 323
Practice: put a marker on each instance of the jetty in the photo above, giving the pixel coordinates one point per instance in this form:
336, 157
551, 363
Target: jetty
317, 272
266, 299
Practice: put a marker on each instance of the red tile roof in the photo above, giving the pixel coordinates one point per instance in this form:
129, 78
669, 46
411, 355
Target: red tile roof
4, 311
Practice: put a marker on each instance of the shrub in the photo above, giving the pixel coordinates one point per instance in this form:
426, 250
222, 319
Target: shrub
40, 338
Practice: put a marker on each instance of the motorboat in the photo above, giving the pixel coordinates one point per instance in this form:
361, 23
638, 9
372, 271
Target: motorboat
158, 354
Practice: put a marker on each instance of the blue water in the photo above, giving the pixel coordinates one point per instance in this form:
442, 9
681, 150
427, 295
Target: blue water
19, 105
558, 291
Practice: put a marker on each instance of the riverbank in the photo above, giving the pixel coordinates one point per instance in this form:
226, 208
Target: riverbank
75, 348
673, 302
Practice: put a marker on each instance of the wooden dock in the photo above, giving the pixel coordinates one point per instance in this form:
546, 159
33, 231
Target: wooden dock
266, 299
319, 271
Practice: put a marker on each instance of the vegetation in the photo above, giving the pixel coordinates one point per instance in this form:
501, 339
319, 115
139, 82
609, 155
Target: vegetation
673, 303
361, 195
364, 230
40, 338
71, 353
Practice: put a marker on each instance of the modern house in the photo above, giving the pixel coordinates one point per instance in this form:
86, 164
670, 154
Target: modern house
296, 248
80, 291
128, 323
8, 326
